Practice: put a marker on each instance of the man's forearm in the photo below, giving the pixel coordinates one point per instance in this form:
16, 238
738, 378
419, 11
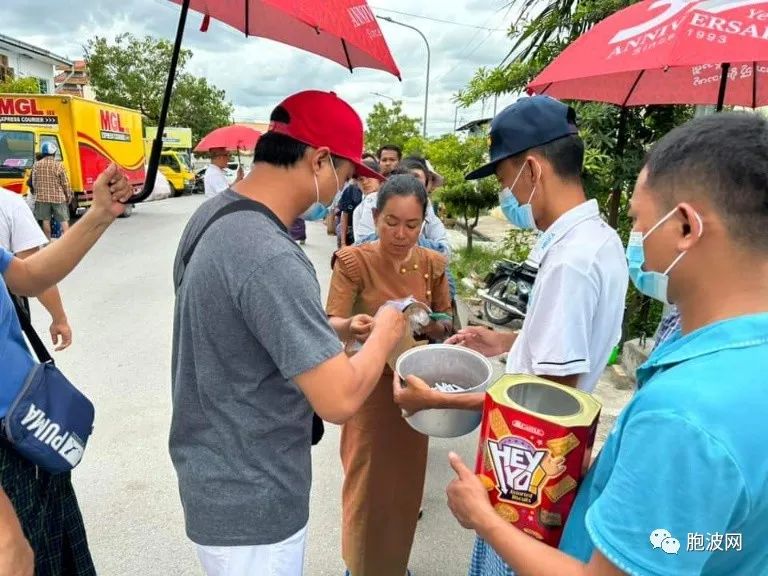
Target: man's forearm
472, 401
525, 555
342, 327
51, 301
506, 339
368, 364
46, 268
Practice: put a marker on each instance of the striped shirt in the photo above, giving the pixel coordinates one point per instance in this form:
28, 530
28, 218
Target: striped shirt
50, 182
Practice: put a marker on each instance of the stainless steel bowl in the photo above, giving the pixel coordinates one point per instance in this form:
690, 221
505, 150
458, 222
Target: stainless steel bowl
453, 365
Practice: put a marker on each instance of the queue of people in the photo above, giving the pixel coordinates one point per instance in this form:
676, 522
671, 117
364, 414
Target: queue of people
684, 455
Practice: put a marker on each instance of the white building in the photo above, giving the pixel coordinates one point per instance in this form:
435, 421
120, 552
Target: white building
21, 60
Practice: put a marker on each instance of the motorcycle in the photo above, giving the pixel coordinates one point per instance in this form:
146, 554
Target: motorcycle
509, 287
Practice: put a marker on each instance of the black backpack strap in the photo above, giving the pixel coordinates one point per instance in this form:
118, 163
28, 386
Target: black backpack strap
242, 205
34, 340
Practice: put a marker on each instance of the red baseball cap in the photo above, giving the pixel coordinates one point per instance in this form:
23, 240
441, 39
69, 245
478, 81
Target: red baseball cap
323, 119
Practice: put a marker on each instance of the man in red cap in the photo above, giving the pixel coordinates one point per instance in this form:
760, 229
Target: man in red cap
253, 352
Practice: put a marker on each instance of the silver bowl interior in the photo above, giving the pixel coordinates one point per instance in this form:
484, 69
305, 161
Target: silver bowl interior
544, 399
452, 365
448, 364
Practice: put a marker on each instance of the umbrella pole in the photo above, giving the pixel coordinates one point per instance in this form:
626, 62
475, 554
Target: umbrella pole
621, 141
726, 66
157, 144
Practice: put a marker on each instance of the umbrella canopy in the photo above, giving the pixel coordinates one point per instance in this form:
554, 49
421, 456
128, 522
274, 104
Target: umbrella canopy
345, 31
668, 52
234, 138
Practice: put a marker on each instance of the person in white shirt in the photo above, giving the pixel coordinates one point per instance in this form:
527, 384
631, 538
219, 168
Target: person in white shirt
20, 235
577, 304
434, 229
363, 227
215, 179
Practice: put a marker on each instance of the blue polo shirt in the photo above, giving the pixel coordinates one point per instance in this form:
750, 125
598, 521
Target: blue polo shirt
687, 460
15, 359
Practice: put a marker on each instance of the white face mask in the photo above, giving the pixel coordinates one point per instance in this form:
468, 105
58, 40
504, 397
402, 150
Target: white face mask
649, 282
520, 216
318, 210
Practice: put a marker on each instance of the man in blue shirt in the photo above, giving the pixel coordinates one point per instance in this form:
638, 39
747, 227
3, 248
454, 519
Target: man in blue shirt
44, 538
681, 484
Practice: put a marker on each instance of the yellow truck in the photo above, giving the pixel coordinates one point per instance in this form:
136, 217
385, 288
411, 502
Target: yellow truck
175, 160
89, 135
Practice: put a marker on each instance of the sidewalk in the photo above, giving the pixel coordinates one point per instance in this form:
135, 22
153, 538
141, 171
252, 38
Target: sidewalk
490, 232
493, 226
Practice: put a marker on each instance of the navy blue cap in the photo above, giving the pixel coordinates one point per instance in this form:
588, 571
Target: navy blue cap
526, 124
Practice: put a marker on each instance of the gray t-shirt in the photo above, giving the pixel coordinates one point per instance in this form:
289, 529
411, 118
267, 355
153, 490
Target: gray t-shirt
248, 319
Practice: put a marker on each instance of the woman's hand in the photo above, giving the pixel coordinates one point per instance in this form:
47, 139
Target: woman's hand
360, 327
416, 395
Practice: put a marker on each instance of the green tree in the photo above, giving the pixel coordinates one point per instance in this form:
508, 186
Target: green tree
20, 86
389, 125
453, 158
132, 72
541, 34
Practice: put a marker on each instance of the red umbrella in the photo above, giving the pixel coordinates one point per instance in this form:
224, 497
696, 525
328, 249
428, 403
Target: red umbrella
668, 52
234, 138
345, 31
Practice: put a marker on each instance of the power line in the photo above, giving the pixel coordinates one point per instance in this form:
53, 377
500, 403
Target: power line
466, 54
439, 20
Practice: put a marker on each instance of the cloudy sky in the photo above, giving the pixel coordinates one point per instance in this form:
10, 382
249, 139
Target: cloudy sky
257, 73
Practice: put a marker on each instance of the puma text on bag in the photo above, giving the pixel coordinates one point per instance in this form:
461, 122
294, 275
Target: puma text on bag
49, 421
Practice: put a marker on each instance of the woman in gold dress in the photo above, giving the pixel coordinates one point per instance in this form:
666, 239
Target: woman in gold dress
384, 459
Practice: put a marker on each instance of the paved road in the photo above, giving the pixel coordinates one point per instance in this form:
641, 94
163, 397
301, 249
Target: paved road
120, 305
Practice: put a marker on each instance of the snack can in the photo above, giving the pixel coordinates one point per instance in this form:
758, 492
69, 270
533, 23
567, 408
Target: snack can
536, 441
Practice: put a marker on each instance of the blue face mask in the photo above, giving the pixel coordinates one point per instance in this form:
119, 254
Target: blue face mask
653, 284
318, 210
520, 216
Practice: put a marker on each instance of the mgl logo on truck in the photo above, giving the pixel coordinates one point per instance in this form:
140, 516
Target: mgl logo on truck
25, 111
112, 128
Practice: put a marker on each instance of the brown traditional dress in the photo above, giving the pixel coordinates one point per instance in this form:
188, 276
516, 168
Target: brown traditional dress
384, 459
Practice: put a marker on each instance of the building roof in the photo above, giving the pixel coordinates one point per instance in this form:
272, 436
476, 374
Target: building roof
33, 51
74, 66
474, 124
64, 78
72, 90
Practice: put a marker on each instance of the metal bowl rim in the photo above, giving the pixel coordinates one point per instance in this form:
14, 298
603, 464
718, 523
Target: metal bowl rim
463, 349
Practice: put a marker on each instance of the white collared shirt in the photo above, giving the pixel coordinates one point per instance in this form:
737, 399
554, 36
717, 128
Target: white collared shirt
215, 181
576, 307
363, 225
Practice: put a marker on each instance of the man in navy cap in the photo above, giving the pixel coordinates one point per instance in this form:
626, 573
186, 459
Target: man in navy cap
577, 304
